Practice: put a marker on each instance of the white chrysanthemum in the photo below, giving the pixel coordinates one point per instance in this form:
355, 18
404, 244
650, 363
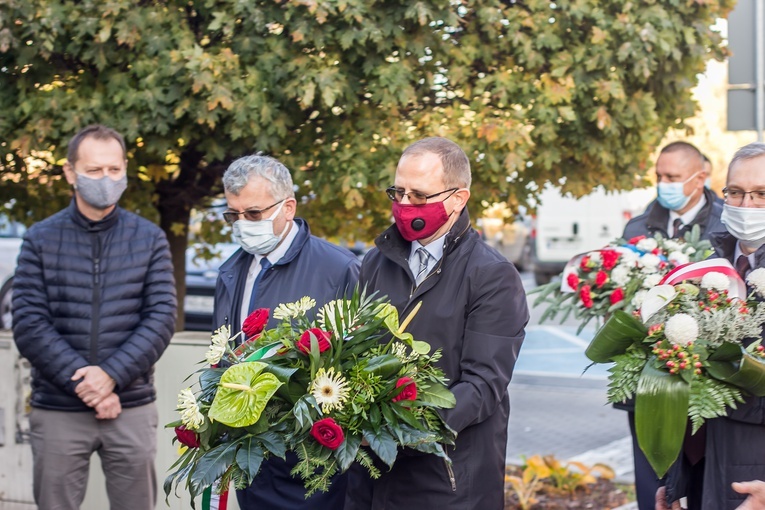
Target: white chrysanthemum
715, 281
678, 258
629, 257
218, 344
620, 275
757, 280
689, 250
651, 280
648, 244
670, 245
329, 389
681, 329
638, 298
649, 262
296, 309
187, 405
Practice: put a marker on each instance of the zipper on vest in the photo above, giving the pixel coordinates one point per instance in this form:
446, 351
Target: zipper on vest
450, 472
96, 305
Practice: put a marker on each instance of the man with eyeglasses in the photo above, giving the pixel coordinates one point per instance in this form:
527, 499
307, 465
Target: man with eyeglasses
279, 262
683, 201
473, 309
93, 310
733, 449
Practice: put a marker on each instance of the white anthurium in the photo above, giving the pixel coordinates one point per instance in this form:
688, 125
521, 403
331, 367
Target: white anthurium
656, 299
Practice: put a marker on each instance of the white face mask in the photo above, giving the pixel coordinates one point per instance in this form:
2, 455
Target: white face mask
257, 237
747, 224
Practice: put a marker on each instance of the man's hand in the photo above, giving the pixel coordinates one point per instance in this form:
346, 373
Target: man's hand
95, 384
661, 500
756, 491
109, 408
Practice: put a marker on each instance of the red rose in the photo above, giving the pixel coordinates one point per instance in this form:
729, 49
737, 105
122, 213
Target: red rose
616, 296
187, 437
585, 263
328, 433
304, 344
409, 392
636, 239
610, 258
601, 278
255, 322
586, 296
572, 280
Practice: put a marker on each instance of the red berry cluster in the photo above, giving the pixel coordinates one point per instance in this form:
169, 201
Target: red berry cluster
677, 358
759, 351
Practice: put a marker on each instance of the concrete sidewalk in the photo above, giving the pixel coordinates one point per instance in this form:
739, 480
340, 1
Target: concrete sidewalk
568, 417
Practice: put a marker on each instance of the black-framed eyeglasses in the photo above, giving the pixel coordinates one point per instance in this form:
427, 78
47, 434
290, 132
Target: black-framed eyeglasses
415, 197
736, 196
249, 214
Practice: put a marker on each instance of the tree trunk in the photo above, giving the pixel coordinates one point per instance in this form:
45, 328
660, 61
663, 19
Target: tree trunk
170, 213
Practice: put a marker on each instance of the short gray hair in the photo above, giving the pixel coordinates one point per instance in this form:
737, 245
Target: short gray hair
243, 169
751, 151
454, 160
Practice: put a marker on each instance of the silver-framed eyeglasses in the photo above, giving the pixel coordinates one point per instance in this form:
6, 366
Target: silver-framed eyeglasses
415, 197
736, 196
249, 214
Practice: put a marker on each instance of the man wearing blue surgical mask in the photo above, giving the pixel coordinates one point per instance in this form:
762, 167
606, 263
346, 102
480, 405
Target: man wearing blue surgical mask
683, 201
279, 262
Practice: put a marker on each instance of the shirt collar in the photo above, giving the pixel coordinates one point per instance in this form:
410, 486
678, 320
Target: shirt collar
435, 248
737, 253
689, 215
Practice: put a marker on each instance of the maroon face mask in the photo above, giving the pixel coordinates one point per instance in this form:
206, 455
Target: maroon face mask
419, 221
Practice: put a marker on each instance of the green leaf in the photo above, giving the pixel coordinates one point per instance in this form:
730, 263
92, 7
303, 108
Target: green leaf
273, 443
249, 457
661, 415
619, 332
383, 444
747, 372
346, 452
242, 394
211, 466
437, 395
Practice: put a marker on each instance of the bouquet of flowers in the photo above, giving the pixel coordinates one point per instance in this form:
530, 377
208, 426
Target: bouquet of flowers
317, 388
616, 277
692, 350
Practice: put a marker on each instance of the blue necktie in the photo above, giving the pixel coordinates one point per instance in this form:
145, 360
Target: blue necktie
265, 265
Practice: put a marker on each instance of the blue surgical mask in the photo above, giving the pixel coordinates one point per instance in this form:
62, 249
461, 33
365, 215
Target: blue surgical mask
671, 194
257, 237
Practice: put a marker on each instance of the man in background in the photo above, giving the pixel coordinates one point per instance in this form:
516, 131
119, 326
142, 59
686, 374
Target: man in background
93, 310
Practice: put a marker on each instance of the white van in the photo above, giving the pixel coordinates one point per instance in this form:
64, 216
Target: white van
565, 226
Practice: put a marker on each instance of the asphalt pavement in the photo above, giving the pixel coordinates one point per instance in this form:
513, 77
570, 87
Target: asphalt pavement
557, 408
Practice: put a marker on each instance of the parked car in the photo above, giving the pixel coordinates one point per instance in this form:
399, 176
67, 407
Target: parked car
11, 233
200, 286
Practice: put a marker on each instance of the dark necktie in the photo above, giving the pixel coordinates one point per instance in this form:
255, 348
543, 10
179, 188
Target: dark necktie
265, 265
742, 266
423, 270
677, 225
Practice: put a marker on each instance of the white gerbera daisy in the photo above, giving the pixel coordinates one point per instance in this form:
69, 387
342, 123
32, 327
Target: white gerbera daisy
329, 389
296, 309
681, 329
678, 258
187, 405
715, 281
648, 244
757, 280
620, 275
651, 280
218, 344
649, 262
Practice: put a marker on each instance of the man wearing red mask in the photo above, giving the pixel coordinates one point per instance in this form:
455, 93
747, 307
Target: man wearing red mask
473, 309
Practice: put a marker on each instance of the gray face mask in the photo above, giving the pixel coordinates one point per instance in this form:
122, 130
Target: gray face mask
100, 193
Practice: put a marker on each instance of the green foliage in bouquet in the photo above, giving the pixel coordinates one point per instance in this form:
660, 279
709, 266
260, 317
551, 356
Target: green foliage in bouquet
317, 388
700, 354
616, 277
